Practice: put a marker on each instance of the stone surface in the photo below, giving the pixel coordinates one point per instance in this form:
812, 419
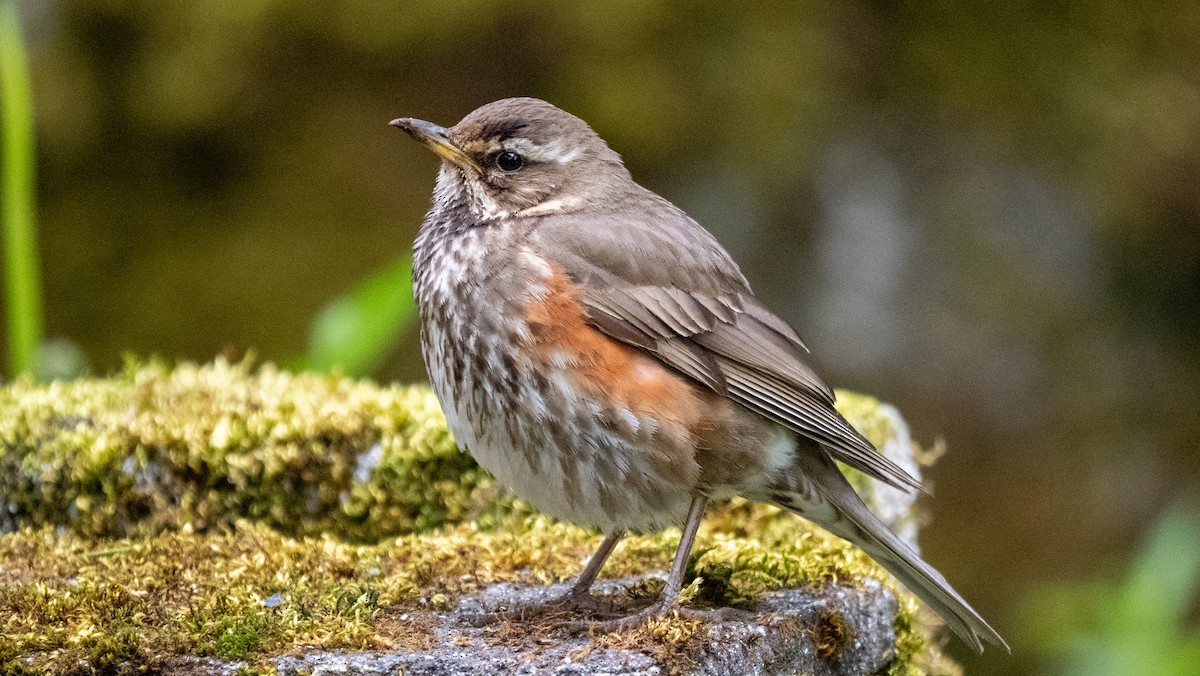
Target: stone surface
780, 636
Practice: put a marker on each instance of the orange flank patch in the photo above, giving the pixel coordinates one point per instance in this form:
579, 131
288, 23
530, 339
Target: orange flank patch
601, 364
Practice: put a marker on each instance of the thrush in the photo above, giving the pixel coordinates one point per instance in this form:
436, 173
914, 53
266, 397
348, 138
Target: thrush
603, 356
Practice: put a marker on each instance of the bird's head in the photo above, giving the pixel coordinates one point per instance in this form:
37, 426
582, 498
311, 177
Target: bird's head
520, 156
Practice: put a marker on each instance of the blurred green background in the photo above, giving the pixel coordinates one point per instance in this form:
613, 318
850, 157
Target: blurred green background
988, 214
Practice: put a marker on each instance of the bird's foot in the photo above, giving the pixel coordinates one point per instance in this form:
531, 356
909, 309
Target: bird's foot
572, 602
655, 610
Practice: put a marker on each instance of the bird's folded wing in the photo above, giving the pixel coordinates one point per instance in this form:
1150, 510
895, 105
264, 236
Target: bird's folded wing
742, 358
698, 316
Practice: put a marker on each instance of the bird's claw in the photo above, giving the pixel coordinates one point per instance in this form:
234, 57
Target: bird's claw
572, 601
632, 621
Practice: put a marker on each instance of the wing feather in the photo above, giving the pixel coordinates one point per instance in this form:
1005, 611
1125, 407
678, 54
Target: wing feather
810, 418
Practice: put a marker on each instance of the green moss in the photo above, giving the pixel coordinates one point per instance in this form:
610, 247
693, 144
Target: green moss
205, 445
915, 653
779, 551
214, 510
238, 638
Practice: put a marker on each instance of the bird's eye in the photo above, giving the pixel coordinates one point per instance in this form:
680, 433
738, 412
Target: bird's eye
509, 161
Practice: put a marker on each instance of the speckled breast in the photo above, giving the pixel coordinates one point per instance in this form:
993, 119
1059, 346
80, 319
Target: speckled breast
584, 428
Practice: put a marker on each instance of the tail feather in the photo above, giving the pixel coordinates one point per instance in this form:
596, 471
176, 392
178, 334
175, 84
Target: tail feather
830, 501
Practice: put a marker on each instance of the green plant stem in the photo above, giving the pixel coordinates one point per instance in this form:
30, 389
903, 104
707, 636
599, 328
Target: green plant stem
24, 316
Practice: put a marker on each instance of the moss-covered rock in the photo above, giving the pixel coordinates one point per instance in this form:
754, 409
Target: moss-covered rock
213, 511
157, 448
248, 593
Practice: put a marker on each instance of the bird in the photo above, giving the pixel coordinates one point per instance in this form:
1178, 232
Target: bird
603, 356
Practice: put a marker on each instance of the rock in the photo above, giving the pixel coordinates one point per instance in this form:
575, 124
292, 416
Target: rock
836, 631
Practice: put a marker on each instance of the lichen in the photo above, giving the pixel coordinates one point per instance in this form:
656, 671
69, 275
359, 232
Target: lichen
239, 513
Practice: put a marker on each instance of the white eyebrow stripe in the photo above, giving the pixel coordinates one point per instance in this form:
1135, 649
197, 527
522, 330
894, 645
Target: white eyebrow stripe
554, 151
548, 207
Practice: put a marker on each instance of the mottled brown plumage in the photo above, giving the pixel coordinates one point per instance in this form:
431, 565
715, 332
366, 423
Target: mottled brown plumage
601, 354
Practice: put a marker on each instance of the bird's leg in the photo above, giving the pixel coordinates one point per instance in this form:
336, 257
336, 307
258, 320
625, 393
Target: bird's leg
687, 538
670, 593
583, 584
577, 597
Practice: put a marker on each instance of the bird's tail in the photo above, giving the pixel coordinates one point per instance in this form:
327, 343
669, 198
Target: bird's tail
825, 497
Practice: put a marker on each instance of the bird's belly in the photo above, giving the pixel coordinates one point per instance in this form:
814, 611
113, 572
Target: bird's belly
576, 468
570, 453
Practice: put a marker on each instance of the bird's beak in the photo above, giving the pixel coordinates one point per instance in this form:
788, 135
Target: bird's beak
436, 139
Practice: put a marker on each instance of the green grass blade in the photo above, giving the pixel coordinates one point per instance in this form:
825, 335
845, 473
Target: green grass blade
355, 331
24, 317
